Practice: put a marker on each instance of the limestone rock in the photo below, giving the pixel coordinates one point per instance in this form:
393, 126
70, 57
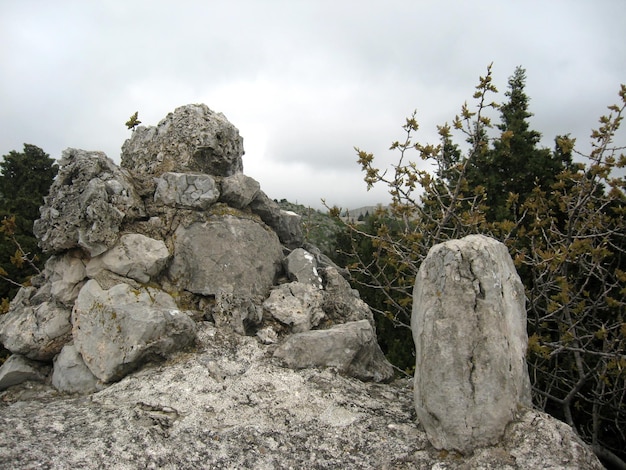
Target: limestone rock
88, 201
469, 327
228, 406
351, 348
18, 369
65, 275
116, 330
135, 256
237, 255
191, 139
300, 265
296, 305
342, 303
239, 190
191, 191
35, 331
238, 312
70, 374
285, 224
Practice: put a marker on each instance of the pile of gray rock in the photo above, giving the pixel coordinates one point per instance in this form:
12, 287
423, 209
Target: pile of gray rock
182, 322
176, 235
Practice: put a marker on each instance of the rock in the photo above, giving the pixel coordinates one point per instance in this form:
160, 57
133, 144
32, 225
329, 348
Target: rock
116, 330
88, 201
191, 139
71, 375
190, 191
35, 331
300, 266
135, 256
285, 224
469, 327
296, 305
18, 369
229, 406
351, 348
65, 274
238, 312
267, 335
239, 190
342, 303
237, 255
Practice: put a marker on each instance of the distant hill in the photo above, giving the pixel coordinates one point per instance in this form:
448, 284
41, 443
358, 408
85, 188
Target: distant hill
354, 215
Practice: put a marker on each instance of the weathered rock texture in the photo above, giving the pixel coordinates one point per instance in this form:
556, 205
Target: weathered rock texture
469, 327
191, 139
89, 200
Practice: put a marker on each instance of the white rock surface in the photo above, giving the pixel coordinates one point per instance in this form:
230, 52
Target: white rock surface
226, 406
37, 332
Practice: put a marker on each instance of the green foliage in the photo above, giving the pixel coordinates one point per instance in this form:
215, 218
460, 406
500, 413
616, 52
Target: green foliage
133, 121
25, 178
562, 221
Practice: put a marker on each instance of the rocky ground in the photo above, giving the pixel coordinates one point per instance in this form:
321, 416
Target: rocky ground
226, 404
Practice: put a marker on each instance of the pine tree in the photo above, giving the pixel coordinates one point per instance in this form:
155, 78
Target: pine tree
25, 178
515, 164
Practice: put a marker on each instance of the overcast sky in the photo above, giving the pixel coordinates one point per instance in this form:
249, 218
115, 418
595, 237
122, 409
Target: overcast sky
303, 81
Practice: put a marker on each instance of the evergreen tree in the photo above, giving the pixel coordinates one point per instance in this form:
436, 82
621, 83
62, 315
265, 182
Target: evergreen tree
25, 178
515, 164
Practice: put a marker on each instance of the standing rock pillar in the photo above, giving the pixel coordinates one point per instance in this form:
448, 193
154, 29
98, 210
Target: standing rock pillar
469, 328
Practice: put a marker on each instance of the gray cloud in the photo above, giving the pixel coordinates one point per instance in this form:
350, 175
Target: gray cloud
306, 81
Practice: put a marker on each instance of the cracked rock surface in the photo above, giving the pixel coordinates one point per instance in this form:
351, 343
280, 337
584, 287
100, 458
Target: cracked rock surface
469, 327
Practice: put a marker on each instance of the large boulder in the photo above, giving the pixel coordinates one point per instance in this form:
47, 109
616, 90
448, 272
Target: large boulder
226, 253
351, 348
191, 139
469, 327
87, 203
37, 331
118, 329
